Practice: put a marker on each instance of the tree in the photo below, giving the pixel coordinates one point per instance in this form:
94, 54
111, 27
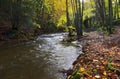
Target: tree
15, 14
78, 8
67, 14
116, 9
110, 16
100, 11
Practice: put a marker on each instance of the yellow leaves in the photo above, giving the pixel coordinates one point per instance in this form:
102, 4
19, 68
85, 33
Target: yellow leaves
102, 67
58, 3
104, 73
82, 69
102, 64
62, 20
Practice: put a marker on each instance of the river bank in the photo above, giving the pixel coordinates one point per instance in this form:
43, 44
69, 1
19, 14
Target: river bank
8, 35
101, 57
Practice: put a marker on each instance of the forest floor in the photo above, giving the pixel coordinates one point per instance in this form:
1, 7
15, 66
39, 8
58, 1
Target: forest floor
101, 57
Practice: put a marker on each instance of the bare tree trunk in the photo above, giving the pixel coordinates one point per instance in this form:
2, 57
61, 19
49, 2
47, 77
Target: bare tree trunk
15, 14
110, 16
100, 9
67, 14
78, 17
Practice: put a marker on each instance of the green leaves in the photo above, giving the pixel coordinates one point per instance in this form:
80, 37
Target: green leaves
109, 66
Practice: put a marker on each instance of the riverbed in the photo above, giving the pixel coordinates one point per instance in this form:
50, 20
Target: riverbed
37, 59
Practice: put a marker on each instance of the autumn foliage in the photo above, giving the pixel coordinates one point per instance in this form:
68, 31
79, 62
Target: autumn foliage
101, 57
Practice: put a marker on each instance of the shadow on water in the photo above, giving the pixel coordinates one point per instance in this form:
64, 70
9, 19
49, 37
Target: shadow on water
38, 59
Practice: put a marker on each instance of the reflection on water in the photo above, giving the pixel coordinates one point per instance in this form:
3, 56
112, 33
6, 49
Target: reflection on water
38, 59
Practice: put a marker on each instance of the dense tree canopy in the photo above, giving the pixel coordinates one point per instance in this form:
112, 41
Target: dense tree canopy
57, 14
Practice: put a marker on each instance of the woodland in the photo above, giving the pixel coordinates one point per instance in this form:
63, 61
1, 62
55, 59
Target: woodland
94, 23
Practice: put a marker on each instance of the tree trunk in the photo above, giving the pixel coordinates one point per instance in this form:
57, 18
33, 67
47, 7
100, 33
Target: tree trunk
67, 14
110, 16
78, 17
15, 14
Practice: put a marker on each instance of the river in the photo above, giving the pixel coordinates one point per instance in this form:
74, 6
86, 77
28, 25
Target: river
37, 59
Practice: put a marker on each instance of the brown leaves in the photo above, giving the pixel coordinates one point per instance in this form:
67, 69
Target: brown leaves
101, 58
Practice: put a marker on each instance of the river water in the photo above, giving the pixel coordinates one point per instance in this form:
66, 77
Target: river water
38, 59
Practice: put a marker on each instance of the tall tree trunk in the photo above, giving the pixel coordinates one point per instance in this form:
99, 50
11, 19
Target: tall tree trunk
73, 10
42, 15
78, 17
110, 16
117, 6
67, 14
100, 9
15, 14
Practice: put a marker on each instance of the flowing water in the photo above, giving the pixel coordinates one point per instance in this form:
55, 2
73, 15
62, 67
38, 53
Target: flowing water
38, 59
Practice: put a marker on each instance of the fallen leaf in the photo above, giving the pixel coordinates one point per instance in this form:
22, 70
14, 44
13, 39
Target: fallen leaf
97, 76
104, 73
82, 69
